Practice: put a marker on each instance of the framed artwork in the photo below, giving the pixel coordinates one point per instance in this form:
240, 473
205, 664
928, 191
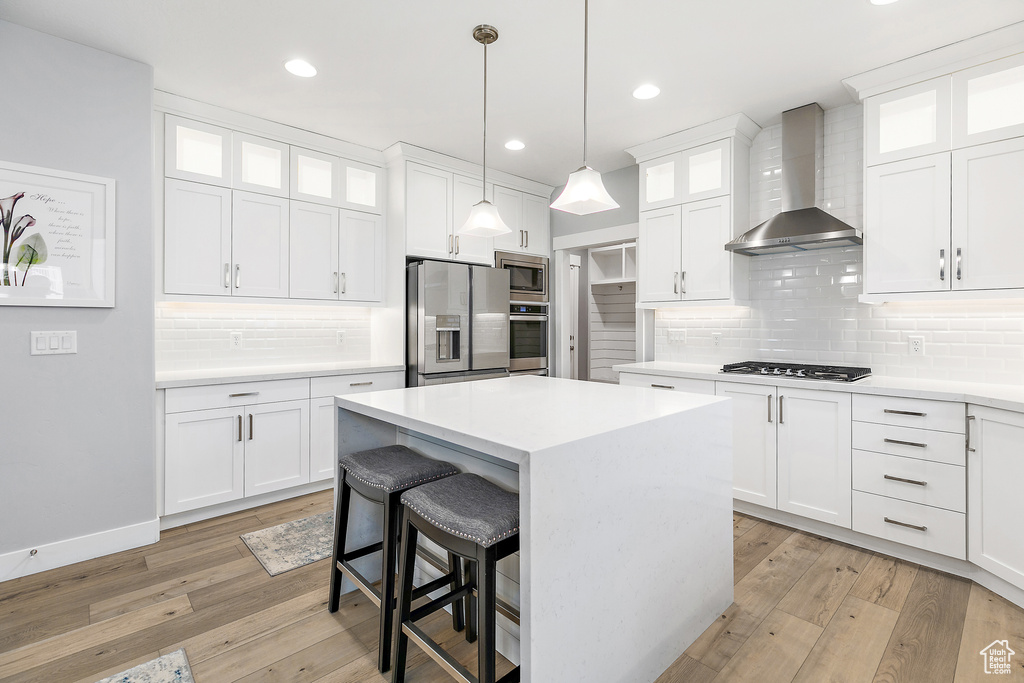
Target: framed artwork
58, 231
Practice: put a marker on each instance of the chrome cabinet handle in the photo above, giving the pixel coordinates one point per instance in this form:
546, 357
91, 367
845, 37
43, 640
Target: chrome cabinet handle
903, 412
250, 426
905, 481
335, 282
239, 427
450, 243
942, 264
781, 420
359, 384
970, 419
227, 276
905, 443
238, 276
909, 526
959, 258
456, 245
520, 238
675, 282
246, 393
682, 281
344, 282
769, 397
527, 245
662, 386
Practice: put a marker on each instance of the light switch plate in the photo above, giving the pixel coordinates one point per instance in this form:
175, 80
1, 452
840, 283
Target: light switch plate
53, 343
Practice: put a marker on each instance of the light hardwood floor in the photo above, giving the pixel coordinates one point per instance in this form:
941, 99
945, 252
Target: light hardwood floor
807, 610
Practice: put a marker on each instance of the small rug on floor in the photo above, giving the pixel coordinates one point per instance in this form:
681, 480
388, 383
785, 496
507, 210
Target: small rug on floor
171, 668
292, 545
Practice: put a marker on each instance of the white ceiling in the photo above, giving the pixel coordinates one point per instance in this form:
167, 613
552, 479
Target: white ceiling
410, 70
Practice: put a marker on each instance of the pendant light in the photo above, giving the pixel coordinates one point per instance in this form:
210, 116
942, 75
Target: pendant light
484, 220
584, 192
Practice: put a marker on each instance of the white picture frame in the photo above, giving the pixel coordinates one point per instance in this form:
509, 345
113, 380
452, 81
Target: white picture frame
58, 238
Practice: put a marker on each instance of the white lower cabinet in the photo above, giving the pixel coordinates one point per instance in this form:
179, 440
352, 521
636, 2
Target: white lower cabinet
688, 385
229, 441
791, 449
995, 504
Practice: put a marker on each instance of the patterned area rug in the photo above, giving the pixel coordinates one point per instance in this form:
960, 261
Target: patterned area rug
293, 544
171, 668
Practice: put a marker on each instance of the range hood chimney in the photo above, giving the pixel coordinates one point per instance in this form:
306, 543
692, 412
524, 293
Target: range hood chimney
802, 225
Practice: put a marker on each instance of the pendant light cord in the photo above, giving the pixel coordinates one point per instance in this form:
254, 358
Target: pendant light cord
586, 40
483, 190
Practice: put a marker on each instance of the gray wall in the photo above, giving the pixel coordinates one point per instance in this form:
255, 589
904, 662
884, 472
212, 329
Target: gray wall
77, 431
624, 187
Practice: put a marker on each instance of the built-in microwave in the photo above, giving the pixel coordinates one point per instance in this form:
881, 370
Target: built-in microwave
527, 275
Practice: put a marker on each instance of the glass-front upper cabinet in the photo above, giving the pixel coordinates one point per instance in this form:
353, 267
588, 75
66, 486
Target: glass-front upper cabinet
327, 179
687, 176
259, 165
909, 122
988, 102
362, 186
197, 151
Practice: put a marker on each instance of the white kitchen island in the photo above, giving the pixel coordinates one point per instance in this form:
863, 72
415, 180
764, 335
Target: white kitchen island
625, 502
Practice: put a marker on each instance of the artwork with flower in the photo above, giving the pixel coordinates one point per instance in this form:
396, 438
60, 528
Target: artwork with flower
31, 251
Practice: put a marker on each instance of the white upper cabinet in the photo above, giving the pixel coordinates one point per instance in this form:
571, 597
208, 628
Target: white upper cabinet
428, 212
906, 226
988, 203
197, 151
259, 245
699, 173
197, 238
909, 122
529, 218
659, 254
706, 265
313, 252
259, 165
537, 224
361, 245
988, 102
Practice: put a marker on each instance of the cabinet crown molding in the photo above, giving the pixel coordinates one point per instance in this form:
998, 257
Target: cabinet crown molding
987, 47
738, 127
404, 151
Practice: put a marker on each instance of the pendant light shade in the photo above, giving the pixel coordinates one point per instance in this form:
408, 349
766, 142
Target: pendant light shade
484, 220
584, 192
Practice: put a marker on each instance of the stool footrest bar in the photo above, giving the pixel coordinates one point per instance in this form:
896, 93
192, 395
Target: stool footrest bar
434, 605
361, 582
434, 651
443, 582
363, 552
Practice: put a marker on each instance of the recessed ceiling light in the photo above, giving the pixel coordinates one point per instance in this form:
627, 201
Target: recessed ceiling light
514, 145
300, 67
882, 2
646, 91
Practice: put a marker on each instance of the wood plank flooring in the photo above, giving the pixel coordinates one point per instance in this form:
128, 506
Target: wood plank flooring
806, 610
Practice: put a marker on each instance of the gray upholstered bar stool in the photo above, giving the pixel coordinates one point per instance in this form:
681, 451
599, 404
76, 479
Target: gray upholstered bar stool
478, 521
381, 476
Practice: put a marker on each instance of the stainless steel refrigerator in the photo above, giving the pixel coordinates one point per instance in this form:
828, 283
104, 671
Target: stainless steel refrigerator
457, 323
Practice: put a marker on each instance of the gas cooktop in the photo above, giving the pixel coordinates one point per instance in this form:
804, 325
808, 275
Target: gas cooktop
834, 373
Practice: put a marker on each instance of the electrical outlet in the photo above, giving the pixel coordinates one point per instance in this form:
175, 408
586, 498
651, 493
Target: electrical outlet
677, 334
916, 345
716, 339
341, 337
236, 341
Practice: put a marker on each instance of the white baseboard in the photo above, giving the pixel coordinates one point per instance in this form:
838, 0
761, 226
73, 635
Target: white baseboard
69, 551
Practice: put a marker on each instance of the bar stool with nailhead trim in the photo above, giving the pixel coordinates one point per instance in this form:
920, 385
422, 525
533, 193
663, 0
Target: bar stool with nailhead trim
381, 476
473, 519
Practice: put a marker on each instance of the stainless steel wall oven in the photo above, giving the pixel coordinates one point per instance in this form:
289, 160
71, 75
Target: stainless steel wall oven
528, 336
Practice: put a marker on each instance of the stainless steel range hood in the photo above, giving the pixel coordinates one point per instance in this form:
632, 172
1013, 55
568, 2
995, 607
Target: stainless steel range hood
802, 225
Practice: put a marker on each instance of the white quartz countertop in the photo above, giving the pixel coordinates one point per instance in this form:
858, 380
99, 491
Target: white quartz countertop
512, 418
192, 378
1008, 397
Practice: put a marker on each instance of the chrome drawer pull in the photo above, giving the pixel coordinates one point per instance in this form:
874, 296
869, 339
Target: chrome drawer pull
970, 418
903, 412
661, 386
360, 384
247, 393
905, 481
906, 443
239, 427
769, 397
909, 526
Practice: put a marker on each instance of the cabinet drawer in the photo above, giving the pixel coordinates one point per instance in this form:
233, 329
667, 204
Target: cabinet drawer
941, 531
354, 384
692, 386
911, 443
237, 394
925, 482
945, 416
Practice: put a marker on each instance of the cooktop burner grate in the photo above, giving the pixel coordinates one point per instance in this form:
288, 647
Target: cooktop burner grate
833, 373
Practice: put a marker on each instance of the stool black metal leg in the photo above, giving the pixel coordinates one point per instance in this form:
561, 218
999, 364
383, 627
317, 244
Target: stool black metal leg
471, 601
407, 561
459, 606
486, 638
392, 523
340, 534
